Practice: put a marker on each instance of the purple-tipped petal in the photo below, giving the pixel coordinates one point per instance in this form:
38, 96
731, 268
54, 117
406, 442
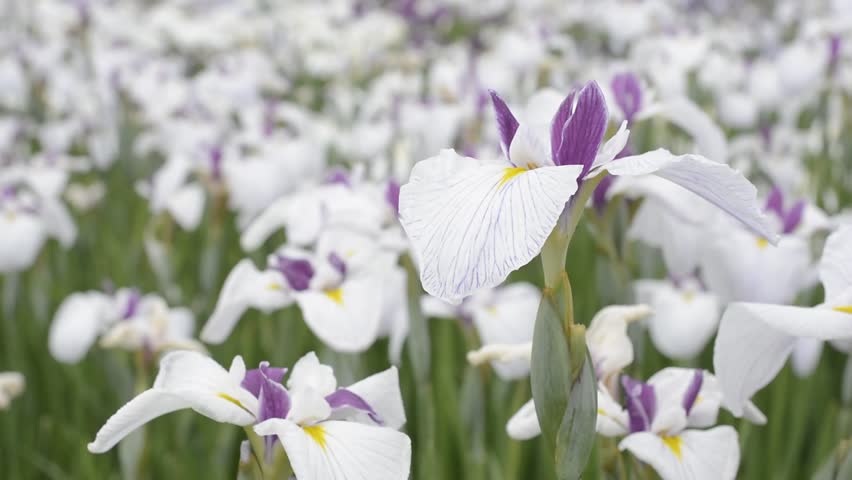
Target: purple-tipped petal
346, 398
506, 122
775, 202
562, 116
793, 217
274, 402
392, 195
641, 403
628, 94
255, 377
692, 391
834, 44
298, 272
583, 133
337, 262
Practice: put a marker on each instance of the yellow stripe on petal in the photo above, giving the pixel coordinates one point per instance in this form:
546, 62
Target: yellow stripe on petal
762, 243
317, 433
233, 400
336, 295
674, 443
510, 173
843, 309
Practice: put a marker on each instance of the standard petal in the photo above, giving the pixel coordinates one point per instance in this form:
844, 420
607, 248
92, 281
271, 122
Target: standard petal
715, 182
693, 454
347, 318
506, 122
245, 287
524, 423
342, 450
754, 341
835, 268
76, 325
472, 223
145, 407
381, 391
583, 133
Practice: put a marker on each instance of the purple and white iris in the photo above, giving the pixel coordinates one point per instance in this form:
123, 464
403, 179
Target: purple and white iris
471, 222
326, 432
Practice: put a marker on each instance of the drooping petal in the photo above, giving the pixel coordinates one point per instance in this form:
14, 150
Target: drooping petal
835, 267
346, 318
78, 322
208, 388
806, 355
245, 287
58, 221
754, 341
524, 423
715, 182
337, 450
147, 406
471, 223
506, 122
381, 392
609, 346
694, 454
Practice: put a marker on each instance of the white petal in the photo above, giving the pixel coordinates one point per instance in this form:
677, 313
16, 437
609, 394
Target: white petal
342, 450
806, 354
22, 239
348, 318
470, 228
524, 423
693, 454
613, 146
381, 391
145, 407
78, 321
755, 340
273, 218
671, 384
187, 205
58, 222
835, 268
738, 266
715, 182
530, 147
207, 387
245, 287
509, 319
609, 346
683, 320
612, 419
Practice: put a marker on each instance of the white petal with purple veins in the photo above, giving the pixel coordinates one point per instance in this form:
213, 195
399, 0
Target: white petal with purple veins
715, 182
473, 222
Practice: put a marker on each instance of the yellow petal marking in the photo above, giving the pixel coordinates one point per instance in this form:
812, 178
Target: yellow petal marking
762, 243
317, 433
843, 309
509, 173
274, 286
674, 443
233, 400
336, 295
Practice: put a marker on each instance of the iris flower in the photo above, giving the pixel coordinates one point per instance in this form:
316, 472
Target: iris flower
472, 222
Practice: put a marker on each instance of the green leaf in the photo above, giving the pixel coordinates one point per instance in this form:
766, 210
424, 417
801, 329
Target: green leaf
566, 406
